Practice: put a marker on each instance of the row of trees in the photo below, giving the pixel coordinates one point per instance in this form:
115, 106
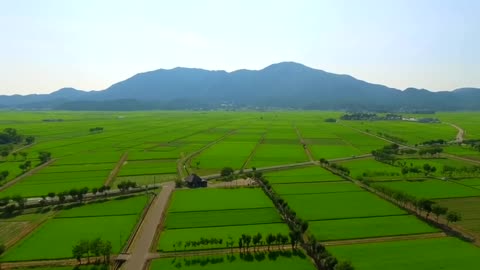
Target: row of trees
124, 186
420, 205
5, 151
336, 167
75, 195
11, 136
92, 248
298, 228
244, 242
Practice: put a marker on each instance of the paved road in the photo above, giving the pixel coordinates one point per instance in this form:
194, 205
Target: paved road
142, 242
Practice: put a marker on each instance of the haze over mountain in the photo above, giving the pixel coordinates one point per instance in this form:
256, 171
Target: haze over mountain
282, 85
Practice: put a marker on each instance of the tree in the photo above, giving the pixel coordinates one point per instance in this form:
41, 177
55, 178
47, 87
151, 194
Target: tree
248, 240
453, 217
24, 155
96, 246
426, 205
44, 156
330, 262
29, 140
85, 248
4, 152
240, 244
270, 240
4, 175
107, 251
257, 238
14, 154
345, 265
227, 171
77, 253
439, 210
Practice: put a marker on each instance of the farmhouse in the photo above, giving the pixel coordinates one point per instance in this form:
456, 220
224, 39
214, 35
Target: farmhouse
194, 181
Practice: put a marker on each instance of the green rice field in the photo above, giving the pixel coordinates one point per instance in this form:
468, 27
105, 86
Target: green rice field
425, 254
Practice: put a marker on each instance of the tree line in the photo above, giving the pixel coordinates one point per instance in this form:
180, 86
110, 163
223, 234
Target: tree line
298, 231
419, 204
92, 248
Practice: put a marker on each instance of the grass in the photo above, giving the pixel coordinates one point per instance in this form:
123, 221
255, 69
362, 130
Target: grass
356, 228
302, 175
315, 188
426, 254
218, 199
170, 237
432, 189
340, 205
236, 262
178, 220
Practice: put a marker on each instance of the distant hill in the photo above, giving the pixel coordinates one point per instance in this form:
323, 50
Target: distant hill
284, 85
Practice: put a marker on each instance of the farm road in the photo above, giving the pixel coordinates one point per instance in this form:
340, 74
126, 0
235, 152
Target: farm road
140, 248
461, 133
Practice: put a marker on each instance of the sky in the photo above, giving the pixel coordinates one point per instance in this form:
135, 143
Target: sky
91, 44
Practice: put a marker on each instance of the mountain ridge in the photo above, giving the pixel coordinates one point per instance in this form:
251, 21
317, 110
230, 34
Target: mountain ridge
281, 85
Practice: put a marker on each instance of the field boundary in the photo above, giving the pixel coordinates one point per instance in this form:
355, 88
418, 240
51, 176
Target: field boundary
384, 239
304, 144
26, 174
254, 151
113, 174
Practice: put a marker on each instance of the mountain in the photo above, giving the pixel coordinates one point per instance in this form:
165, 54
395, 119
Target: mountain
283, 85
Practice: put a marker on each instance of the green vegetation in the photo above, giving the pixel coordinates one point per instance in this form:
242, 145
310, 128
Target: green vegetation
270, 261
340, 205
315, 188
170, 237
178, 220
426, 254
61, 233
340, 229
432, 189
302, 175
218, 199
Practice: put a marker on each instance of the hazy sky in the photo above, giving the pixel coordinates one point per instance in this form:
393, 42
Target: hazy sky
90, 44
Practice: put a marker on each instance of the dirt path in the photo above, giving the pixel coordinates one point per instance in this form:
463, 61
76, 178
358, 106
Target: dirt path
385, 239
461, 158
304, 144
116, 170
182, 163
143, 240
23, 147
252, 154
32, 171
235, 183
461, 133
